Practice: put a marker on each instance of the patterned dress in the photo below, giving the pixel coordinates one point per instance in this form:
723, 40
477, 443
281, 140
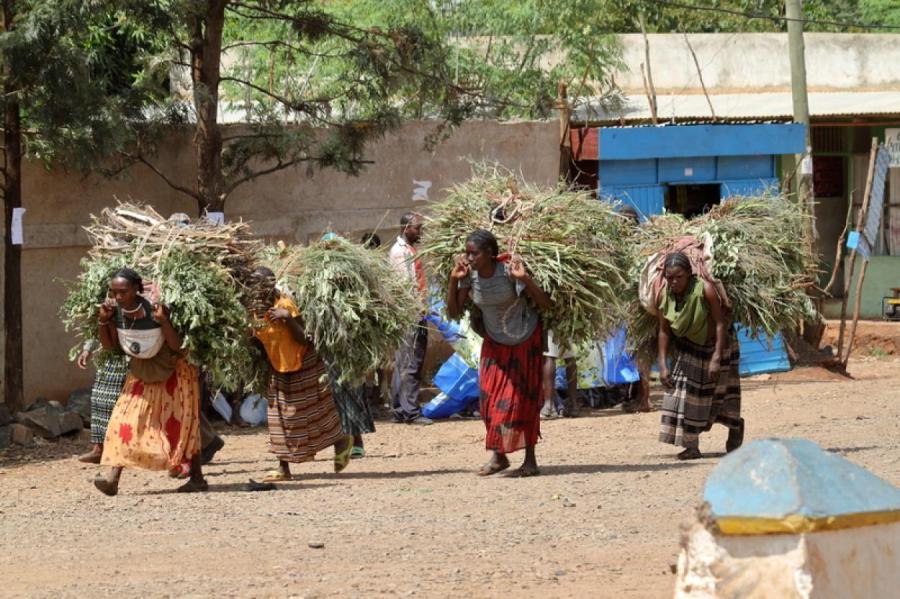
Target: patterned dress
511, 368
302, 417
155, 425
699, 400
352, 405
155, 422
510, 386
111, 372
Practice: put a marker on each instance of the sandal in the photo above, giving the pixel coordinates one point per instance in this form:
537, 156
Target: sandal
276, 476
691, 453
357, 452
492, 468
342, 459
252, 485
548, 414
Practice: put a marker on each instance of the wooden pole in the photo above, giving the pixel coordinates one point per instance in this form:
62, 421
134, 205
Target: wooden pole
859, 284
800, 98
565, 140
860, 220
648, 75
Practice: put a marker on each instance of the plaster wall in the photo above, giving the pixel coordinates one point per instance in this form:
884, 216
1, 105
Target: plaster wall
293, 205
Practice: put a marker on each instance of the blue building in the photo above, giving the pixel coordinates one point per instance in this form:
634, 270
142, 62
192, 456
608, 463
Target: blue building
688, 168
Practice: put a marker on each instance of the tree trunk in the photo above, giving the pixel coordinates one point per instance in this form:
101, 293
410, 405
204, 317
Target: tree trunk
206, 53
13, 377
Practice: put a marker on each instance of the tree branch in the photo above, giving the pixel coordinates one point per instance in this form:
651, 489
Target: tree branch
700, 76
228, 138
289, 46
161, 175
279, 166
298, 106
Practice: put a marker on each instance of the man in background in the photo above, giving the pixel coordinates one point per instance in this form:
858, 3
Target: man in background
411, 356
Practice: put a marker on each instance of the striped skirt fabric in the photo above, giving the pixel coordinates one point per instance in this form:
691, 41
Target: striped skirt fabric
698, 400
352, 406
302, 416
108, 382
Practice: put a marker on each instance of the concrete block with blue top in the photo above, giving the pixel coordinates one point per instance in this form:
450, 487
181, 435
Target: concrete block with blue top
785, 518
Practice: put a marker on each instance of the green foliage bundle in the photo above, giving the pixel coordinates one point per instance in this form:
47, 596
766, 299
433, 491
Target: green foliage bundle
197, 270
763, 254
356, 310
570, 242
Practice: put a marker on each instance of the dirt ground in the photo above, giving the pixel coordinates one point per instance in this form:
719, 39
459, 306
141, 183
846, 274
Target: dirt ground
411, 519
875, 338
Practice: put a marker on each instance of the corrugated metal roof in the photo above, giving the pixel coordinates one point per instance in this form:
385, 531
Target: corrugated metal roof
744, 107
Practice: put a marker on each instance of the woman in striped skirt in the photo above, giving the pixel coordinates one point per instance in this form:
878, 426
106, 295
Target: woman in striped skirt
111, 372
703, 386
354, 411
302, 415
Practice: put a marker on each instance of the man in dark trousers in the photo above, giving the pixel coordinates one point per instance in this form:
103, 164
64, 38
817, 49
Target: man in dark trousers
411, 355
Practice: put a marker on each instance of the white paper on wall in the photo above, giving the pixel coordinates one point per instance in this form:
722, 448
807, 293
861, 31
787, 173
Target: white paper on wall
16, 226
420, 190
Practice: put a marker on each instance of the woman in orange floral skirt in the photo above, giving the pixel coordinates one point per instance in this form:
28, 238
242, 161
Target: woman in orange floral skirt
155, 423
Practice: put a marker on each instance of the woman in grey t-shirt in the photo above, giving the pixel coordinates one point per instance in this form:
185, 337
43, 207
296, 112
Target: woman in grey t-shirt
511, 355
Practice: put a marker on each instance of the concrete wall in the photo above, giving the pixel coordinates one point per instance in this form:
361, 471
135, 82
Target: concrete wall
882, 273
292, 205
759, 61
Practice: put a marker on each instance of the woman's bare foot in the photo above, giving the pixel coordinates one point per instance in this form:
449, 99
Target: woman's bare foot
498, 463
195, 485
524, 471
529, 466
93, 456
109, 485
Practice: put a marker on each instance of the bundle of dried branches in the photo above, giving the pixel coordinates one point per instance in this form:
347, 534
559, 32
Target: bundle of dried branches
139, 228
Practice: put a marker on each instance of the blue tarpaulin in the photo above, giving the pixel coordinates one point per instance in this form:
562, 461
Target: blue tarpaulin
458, 383
762, 355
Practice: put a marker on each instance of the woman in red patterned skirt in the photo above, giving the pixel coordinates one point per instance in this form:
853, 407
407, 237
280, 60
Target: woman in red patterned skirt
511, 355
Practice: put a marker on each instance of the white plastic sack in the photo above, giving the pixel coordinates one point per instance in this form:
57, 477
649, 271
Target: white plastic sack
254, 410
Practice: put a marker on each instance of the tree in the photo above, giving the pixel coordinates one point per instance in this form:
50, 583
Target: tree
312, 81
63, 101
210, 40
744, 16
885, 12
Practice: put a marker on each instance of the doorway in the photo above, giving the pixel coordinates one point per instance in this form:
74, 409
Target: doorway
692, 200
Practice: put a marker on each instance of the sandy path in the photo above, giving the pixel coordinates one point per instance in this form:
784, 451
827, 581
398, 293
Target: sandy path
411, 519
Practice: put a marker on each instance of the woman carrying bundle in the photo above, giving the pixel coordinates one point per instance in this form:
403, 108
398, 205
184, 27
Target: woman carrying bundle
703, 386
302, 415
154, 424
511, 355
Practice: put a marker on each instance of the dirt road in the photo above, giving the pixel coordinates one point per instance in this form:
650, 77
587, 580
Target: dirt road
411, 519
